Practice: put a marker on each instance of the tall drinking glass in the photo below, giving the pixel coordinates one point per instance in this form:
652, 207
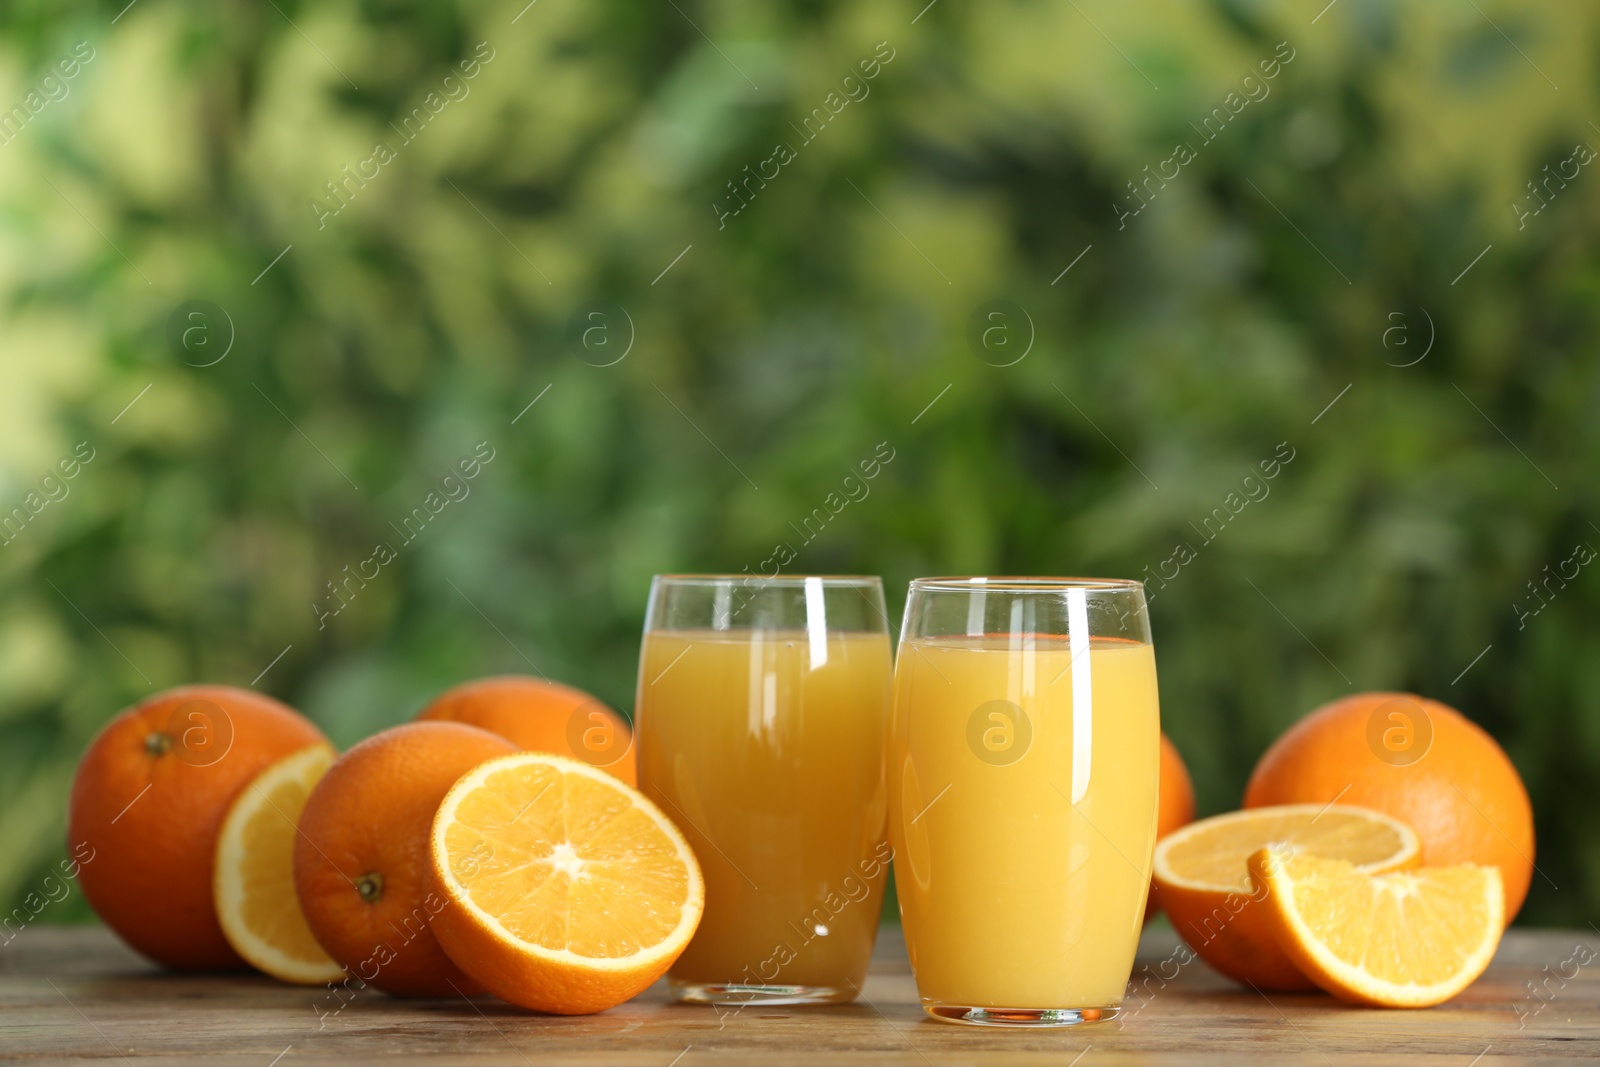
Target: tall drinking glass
762, 717
1023, 764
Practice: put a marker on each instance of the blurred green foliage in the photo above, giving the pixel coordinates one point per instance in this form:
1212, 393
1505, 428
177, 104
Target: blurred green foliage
774, 349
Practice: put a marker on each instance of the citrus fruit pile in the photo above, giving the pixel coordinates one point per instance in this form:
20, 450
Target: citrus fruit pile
497, 845
1385, 844
494, 845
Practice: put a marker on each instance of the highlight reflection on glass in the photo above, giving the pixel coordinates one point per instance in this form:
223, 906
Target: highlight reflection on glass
762, 714
1023, 767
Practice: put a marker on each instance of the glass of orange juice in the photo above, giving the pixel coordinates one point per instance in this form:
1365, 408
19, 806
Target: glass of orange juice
762, 716
1023, 760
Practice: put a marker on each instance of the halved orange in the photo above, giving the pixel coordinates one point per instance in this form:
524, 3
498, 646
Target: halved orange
570, 891
1409, 939
1202, 881
253, 874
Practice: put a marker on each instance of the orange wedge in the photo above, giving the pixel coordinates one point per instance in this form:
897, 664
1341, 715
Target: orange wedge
253, 876
1202, 880
571, 892
1410, 939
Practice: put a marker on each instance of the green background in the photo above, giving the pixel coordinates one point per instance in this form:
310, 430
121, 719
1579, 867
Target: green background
784, 344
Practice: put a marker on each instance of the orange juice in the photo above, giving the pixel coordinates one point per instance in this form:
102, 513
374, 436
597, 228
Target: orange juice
1023, 814
766, 748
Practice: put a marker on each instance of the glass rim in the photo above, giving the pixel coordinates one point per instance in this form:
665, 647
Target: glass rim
1024, 584
841, 581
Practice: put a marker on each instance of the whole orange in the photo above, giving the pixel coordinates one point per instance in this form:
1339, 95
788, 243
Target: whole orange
1419, 761
148, 802
1174, 802
362, 867
542, 716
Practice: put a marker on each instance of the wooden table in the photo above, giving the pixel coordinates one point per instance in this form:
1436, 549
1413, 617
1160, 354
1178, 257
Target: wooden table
77, 995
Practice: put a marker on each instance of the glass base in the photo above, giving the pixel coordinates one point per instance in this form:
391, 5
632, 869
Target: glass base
738, 993
1019, 1017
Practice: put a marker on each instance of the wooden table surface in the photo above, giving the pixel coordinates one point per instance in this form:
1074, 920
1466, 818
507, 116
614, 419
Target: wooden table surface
76, 995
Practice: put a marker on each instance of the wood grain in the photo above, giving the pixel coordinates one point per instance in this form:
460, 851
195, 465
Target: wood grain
76, 995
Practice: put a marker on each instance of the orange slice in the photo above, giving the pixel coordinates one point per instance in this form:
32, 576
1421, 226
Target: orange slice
1410, 939
570, 891
253, 876
1202, 880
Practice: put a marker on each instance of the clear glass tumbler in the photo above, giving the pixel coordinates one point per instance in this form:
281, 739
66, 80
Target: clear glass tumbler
1023, 764
762, 718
